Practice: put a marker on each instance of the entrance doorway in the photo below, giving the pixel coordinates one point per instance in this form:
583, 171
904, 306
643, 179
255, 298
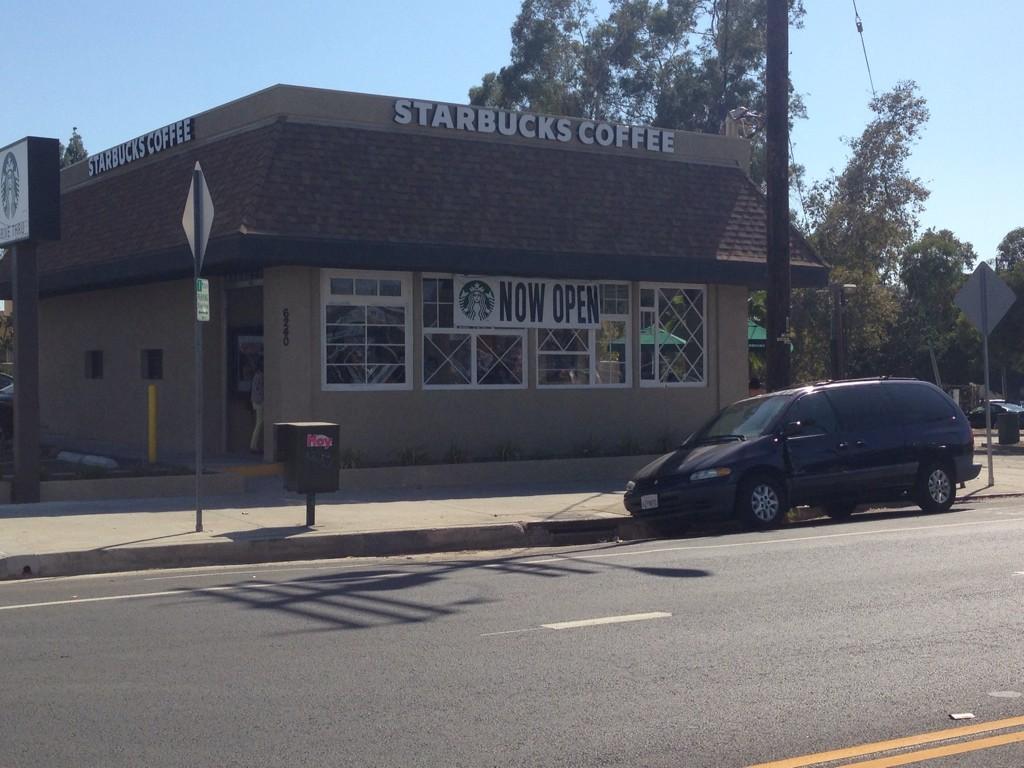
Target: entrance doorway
243, 301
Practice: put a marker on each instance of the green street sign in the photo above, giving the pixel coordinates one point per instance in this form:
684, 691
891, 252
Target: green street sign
202, 299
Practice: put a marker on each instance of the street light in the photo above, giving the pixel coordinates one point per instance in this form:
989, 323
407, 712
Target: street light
838, 292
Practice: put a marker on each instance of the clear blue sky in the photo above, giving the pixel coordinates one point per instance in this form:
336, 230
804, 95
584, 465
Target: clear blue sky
119, 69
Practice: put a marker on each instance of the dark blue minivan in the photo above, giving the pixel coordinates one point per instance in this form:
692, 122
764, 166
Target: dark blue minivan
837, 445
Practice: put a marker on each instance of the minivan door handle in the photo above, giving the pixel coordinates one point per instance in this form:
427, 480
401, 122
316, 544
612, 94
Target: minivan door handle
859, 443
843, 445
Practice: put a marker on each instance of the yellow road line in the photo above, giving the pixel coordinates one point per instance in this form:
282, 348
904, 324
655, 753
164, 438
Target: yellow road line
936, 752
902, 743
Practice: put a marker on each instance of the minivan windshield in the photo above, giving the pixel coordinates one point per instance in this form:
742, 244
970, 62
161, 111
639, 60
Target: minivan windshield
743, 420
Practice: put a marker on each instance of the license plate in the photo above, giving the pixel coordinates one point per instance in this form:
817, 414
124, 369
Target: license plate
650, 501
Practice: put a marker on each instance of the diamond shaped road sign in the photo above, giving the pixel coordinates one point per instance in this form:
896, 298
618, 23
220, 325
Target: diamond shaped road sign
188, 217
985, 298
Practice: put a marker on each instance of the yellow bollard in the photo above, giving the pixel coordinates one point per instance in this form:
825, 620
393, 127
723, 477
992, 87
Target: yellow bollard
152, 423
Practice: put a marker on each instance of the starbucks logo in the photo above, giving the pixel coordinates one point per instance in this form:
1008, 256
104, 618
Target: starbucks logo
476, 300
10, 185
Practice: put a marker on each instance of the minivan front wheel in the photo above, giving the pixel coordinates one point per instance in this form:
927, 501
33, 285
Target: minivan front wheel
761, 502
936, 489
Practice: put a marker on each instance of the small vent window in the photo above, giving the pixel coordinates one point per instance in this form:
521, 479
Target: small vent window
152, 363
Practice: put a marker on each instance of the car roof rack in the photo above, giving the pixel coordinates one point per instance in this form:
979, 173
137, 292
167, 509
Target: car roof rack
823, 382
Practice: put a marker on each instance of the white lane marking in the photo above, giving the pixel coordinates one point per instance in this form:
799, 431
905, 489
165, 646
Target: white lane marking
586, 623
511, 632
224, 570
607, 620
606, 555
1005, 694
260, 570
170, 592
82, 600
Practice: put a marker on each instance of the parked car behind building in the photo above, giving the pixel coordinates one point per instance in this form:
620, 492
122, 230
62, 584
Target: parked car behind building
977, 415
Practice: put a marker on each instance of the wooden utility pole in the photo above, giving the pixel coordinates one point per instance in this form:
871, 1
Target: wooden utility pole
777, 146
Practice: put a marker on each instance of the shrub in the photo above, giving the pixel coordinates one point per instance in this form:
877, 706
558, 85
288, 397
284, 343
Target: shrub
508, 452
351, 458
455, 455
413, 456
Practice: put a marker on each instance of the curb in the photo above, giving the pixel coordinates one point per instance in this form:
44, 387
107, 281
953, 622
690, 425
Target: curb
327, 546
981, 497
316, 547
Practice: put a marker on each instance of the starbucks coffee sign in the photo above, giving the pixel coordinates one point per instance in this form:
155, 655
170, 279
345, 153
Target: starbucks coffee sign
527, 125
141, 147
518, 302
29, 191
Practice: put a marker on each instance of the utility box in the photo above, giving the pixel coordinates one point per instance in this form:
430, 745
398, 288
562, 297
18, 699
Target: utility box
309, 451
1009, 428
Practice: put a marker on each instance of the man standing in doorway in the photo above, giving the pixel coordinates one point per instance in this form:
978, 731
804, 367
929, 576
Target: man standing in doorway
256, 398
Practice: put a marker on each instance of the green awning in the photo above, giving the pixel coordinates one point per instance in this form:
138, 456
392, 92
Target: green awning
664, 337
757, 338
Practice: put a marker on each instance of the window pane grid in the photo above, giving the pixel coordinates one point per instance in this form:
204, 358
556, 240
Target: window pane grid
672, 335
461, 357
588, 357
499, 359
448, 357
365, 321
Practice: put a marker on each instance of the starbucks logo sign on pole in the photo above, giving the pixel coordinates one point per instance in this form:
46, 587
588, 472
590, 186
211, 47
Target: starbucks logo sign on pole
10, 185
29, 191
476, 300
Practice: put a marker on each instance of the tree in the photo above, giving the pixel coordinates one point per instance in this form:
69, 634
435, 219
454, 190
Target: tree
862, 221
866, 216
552, 67
932, 270
669, 63
1010, 252
74, 151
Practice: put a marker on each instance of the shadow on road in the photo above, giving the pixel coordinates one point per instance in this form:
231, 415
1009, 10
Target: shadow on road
375, 597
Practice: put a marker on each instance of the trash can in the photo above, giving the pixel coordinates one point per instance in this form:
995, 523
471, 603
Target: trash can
1009, 428
309, 451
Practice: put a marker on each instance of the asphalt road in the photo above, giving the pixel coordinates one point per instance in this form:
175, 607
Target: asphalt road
727, 650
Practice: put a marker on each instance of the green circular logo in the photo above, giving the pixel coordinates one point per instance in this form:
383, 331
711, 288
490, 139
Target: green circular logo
10, 185
476, 300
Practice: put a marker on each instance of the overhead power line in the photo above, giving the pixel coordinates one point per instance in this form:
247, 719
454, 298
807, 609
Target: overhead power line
860, 30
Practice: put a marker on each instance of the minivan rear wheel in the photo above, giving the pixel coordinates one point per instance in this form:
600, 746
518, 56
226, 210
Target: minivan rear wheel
761, 502
936, 489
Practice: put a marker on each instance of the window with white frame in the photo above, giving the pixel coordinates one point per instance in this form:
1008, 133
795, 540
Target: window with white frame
673, 335
367, 321
589, 357
465, 357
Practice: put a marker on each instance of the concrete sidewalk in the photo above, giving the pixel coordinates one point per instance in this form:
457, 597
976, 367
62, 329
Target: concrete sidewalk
267, 524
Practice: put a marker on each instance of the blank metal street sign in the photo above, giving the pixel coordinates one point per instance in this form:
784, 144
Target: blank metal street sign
983, 288
985, 298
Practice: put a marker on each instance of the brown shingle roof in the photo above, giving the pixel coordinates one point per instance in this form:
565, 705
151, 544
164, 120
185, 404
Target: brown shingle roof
386, 189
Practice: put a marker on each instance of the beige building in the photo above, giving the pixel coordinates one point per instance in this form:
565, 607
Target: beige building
441, 280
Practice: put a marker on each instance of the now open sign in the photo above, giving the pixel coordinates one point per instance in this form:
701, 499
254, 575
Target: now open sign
520, 302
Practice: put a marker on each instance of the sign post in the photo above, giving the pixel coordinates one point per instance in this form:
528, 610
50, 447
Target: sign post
29, 212
197, 220
984, 298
